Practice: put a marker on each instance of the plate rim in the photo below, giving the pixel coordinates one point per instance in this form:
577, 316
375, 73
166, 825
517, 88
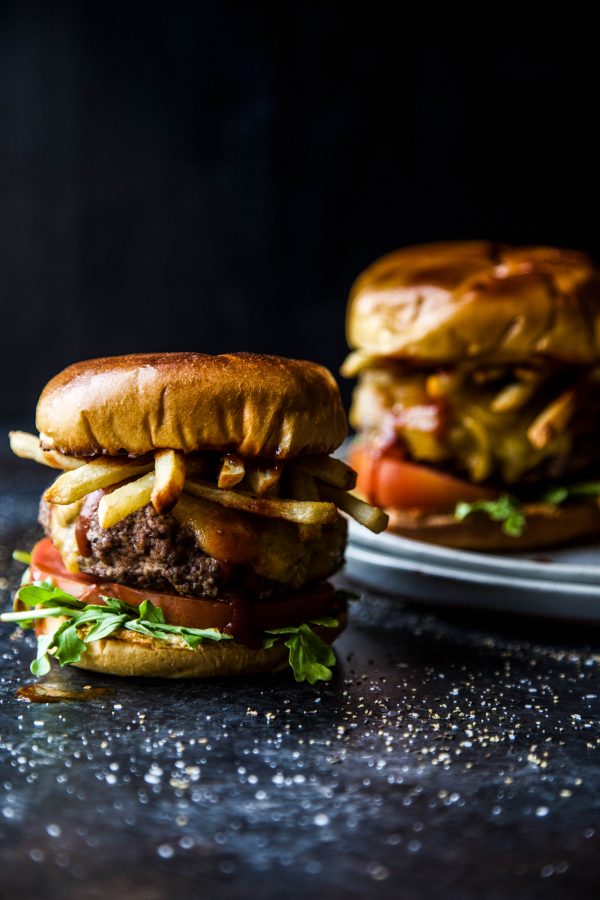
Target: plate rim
396, 546
401, 564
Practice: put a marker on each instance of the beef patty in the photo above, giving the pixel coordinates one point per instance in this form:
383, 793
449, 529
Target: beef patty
156, 552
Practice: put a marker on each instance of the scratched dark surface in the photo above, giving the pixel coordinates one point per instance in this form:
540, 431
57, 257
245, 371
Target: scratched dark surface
451, 756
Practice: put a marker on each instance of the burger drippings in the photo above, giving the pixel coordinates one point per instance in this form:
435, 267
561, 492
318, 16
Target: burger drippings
241, 626
41, 692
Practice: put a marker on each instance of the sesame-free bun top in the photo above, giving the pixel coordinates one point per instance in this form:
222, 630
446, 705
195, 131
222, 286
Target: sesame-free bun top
244, 402
442, 303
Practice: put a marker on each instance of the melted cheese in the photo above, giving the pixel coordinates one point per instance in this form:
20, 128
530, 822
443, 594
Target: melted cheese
483, 441
271, 547
64, 519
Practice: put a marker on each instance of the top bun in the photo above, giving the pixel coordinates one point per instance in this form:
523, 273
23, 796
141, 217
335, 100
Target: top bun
440, 303
256, 405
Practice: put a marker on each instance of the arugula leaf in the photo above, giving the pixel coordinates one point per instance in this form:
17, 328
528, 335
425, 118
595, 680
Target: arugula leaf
192, 640
151, 613
116, 605
212, 634
142, 628
560, 494
22, 557
104, 627
69, 646
509, 510
41, 664
310, 656
505, 509
325, 622
45, 592
555, 495
43, 600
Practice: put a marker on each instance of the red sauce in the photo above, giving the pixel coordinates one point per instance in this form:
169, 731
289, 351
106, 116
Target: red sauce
242, 626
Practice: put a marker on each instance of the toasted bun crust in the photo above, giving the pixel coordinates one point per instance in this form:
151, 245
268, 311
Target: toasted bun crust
440, 303
129, 654
257, 405
547, 526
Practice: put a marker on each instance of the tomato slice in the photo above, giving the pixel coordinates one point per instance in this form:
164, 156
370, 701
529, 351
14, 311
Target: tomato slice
193, 612
388, 480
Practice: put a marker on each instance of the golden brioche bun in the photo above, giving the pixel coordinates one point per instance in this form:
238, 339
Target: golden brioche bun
546, 526
256, 405
127, 654
439, 303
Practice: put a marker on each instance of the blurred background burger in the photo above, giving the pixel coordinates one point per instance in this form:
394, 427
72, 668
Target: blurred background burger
477, 401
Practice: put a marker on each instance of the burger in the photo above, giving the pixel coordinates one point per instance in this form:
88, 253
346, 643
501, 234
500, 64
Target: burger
478, 396
196, 519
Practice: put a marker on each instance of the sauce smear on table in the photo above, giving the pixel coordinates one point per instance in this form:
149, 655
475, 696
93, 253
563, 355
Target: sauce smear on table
38, 692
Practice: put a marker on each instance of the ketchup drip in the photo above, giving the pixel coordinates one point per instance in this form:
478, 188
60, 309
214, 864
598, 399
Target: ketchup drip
88, 511
241, 626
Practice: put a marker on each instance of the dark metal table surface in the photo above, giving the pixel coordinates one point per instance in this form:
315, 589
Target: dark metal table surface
451, 756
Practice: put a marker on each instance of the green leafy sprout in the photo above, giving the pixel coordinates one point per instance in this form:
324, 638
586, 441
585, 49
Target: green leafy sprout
505, 509
310, 657
509, 510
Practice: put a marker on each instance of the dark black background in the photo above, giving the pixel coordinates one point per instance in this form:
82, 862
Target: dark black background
213, 175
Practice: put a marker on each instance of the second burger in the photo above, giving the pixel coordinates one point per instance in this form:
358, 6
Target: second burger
478, 402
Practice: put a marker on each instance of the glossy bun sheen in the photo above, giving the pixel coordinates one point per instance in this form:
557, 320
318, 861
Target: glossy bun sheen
441, 303
255, 405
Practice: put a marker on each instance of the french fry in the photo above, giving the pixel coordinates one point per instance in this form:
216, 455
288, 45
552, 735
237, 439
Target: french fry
125, 500
27, 446
304, 487
480, 459
442, 384
331, 471
232, 471
169, 472
513, 396
355, 362
298, 511
552, 421
262, 479
370, 516
100, 473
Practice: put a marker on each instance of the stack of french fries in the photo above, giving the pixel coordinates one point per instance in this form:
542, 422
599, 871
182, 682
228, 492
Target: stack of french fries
319, 486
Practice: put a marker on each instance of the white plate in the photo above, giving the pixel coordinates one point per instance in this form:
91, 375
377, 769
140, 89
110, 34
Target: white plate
566, 584
450, 585
580, 564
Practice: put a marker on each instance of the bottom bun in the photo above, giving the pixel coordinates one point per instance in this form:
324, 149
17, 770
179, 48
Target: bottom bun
127, 653
546, 526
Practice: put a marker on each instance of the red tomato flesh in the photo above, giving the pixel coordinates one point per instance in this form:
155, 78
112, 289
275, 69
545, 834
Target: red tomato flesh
388, 480
193, 612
